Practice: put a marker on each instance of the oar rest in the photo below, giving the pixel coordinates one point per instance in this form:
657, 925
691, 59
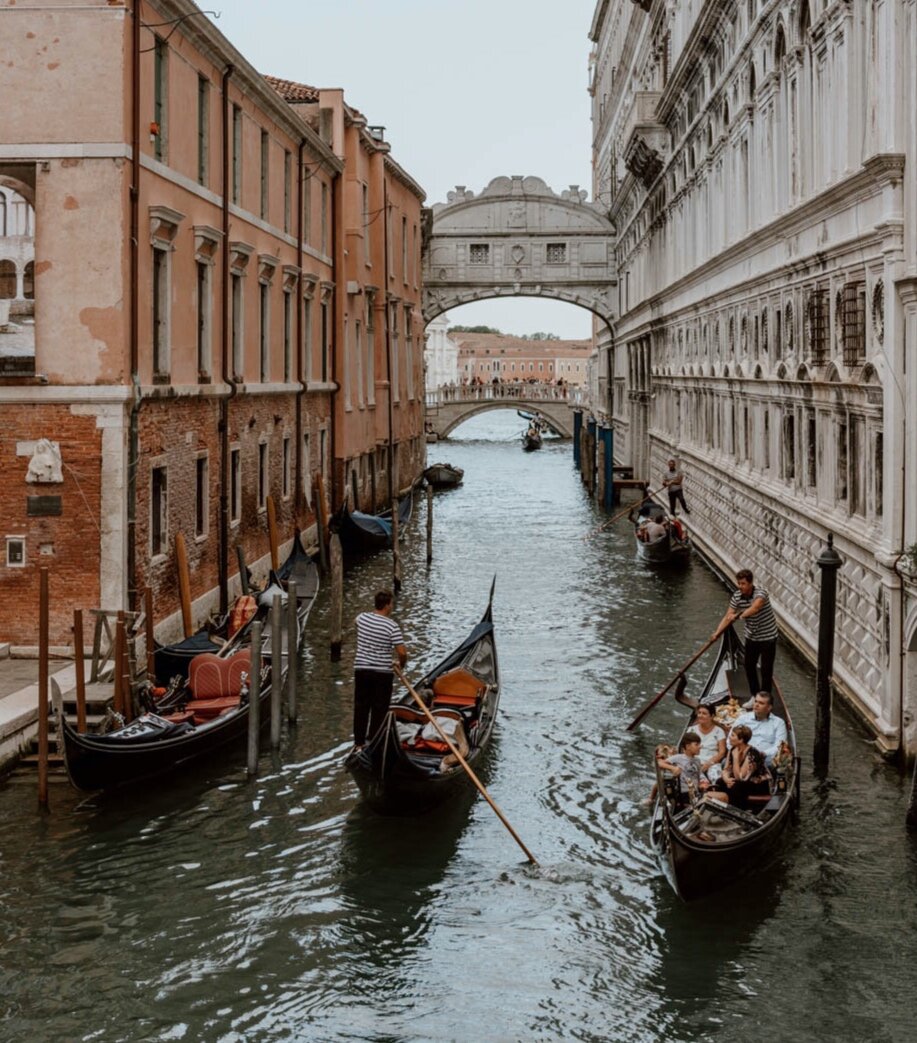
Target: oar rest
216, 684
458, 689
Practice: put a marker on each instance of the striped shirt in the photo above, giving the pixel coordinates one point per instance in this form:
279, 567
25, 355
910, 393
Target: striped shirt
674, 478
377, 636
763, 625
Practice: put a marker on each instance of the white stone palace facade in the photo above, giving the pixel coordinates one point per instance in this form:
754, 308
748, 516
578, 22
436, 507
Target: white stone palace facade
758, 159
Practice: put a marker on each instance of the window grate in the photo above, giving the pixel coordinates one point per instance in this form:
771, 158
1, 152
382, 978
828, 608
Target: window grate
854, 322
817, 332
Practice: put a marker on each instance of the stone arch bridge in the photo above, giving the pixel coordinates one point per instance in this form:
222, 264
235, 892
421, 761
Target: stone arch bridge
449, 407
519, 238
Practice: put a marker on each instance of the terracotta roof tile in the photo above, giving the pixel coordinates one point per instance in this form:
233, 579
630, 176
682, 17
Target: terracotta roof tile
291, 91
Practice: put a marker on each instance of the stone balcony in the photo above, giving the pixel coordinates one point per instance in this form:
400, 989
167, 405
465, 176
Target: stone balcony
646, 141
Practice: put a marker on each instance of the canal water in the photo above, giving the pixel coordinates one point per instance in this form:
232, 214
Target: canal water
215, 909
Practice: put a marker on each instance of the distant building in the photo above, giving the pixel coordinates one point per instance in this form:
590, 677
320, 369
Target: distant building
488, 355
440, 355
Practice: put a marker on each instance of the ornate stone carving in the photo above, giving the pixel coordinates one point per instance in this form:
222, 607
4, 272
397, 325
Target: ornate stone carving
45, 464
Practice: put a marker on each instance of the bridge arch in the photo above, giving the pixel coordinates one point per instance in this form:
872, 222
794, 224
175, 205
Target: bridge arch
447, 408
518, 238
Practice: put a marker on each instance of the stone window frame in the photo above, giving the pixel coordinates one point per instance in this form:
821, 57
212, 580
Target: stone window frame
479, 253
308, 283
12, 540
206, 243
235, 483
327, 346
264, 472
555, 253
159, 465
289, 283
286, 467
164, 225
369, 326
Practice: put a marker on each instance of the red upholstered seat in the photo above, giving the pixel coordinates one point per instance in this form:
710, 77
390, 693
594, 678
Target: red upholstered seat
216, 683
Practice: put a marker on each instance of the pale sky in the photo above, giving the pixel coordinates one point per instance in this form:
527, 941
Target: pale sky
467, 90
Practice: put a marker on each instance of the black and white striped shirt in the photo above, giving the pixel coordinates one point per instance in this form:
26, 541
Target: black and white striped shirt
377, 637
763, 625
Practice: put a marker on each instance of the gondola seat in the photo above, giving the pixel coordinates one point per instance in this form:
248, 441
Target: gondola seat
457, 688
216, 684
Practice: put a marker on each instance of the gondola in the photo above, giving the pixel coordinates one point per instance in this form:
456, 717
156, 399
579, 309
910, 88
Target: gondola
364, 533
531, 439
674, 548
443, 476
705, 845
400, 771
206, 713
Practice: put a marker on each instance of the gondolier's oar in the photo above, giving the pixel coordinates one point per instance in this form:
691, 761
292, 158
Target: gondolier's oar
646, 709
619, 516
480, 785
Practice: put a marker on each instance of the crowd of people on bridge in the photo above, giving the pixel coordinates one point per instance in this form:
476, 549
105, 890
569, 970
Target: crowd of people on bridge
476, 387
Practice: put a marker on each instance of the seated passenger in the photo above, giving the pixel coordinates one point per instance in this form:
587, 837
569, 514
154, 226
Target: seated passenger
768, 730
686, 766
655, 530
744, 774
712, 743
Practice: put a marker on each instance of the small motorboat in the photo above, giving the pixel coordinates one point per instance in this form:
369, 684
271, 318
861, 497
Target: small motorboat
443, 476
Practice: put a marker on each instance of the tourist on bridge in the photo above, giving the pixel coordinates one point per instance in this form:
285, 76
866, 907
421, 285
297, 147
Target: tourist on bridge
379, 640
673, 481
752, 605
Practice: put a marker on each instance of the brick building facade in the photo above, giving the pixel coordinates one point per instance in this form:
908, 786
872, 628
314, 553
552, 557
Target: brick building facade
191, 311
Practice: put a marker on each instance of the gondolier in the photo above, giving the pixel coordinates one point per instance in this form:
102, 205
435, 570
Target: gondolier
673, 481
379, 640
752, 605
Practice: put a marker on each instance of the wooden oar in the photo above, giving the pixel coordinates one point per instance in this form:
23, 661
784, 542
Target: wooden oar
646, 709
622, 514
480, 785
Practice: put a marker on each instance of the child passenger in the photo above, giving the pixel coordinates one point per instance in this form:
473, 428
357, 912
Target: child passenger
686, 766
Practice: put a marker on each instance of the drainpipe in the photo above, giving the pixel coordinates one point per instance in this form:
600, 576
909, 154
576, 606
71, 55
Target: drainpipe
300, 477
133, 451
225, 399
388, 345
339, 277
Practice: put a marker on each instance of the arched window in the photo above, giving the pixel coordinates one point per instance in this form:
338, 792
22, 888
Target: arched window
779, 47
725, 115
805, 20
2, 215
7, 280
28, 281
752, 82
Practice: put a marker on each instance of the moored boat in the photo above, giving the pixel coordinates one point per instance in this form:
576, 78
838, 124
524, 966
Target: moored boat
206, 712
443, 476
705, 844
673, 546
405, 768
364, 533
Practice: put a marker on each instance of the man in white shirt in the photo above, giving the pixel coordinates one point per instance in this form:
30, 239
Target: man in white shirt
768, 731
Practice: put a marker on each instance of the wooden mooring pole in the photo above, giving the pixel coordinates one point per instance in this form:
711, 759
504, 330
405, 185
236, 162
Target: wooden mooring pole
150, 639
292, 651
429, 524
272, 533
243, 568
118, 693
80, 667
337, 597
829, 561
43, 689
396, 552
184, 582
276, 669
254, 701
321, 524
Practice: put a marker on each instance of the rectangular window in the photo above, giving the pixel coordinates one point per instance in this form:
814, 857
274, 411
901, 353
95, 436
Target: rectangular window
202, 496
306, 206
262, 475
370, 354
326, 332
854, 322
235, 485
479, 253
285, 477
366, 252
414, 255
856, 458
236, 154
265, 173
789, 447
767, 441
842, 461
810, 449
409, 351
160, 314
203, 130
878, 468
324, 218
556, 253
265, 332
394, 375
323, 451
287, 335
817, 326
238, 343
358, 355
306, 470
160, 96
203, 320
287, 191
307, 338
15, 552
159, 528
404, 249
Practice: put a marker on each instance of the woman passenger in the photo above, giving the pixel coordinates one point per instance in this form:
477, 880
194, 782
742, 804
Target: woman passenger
744, 774
712, 742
